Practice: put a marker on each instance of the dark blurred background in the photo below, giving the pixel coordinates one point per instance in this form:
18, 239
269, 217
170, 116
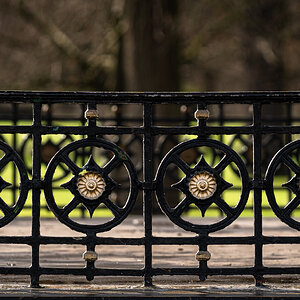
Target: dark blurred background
153, 45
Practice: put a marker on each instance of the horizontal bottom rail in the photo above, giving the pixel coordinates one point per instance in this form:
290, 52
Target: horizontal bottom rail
243, 240
154, 271
95, 272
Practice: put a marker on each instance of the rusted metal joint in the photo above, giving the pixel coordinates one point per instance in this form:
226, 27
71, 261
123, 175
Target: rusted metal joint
90, 256
91, 114
201, 114
203, 255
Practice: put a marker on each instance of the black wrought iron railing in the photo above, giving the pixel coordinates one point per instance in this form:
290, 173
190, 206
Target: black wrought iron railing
80, 154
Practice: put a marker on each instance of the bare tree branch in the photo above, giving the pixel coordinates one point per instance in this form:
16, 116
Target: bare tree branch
90, 64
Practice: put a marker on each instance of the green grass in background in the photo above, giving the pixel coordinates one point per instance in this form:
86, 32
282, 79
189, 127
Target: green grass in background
62, 196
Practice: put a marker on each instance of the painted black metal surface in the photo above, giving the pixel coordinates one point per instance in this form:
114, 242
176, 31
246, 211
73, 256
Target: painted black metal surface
119, 157
285, 156
10, 212
173, 157
77, 167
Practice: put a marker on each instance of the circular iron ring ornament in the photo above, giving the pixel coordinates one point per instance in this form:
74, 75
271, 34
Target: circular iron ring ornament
91, 185
11, 212
283, 156
202, 185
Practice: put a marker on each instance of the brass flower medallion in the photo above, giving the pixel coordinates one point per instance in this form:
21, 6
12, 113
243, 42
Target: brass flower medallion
91, 185
202, 185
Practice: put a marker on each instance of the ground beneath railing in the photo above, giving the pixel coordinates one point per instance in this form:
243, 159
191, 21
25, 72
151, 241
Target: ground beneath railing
68, 256
233, 287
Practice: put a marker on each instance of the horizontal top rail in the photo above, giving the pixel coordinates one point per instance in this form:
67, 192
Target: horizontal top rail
149, 97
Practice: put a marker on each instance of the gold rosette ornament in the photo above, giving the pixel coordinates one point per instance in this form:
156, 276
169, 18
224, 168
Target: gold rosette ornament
202, 185
91, 185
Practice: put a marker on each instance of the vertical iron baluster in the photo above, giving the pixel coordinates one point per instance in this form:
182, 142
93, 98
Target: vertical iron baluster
147, 196
15, 121
90, 263
221, 122
257, 143
83, 123
36, 192
203, 261
288, 140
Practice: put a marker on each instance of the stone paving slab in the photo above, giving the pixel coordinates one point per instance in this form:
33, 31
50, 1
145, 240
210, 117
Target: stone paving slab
163, 256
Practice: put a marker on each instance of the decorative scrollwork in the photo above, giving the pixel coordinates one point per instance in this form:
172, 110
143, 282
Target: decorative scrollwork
10, 212
285, 157
91, 185
202, 185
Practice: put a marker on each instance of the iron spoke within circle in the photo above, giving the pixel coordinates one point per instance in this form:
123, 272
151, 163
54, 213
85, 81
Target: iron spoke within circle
225, 207
112, 164
179, 209
223, 163
291, 206
70, 163
5, 160
288, 161
70, 206
5, 208
117, 211
181, 164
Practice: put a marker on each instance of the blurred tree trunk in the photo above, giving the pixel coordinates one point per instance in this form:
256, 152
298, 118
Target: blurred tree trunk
263, 43
264, 24
151, 52
151, 46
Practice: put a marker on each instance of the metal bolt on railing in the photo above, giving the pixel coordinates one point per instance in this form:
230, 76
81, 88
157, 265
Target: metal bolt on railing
90, 256
201, 114
203, 255
91, 114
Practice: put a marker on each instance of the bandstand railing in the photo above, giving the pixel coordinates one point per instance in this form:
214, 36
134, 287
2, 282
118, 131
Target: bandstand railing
179, 154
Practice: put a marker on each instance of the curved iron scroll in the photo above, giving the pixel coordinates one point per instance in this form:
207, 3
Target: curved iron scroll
10, 212
284, 156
